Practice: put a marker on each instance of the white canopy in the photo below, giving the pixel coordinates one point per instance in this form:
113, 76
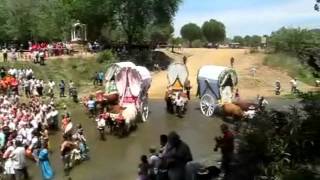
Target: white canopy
115, 68
211, 72
144, 72
177, 70
214, 80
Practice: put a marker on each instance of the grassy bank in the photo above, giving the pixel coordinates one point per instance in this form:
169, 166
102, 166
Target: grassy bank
80, 71
291, 65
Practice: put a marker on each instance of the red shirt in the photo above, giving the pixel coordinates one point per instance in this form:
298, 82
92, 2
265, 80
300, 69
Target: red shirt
227, 144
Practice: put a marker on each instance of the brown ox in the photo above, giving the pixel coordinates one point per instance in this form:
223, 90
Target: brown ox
232, 110
244, 105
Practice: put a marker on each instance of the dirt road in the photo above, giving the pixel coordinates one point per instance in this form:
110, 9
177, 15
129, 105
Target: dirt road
249, 87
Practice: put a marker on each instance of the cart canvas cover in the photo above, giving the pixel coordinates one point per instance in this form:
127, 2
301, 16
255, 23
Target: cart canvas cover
211, 78
177, 71
115, 68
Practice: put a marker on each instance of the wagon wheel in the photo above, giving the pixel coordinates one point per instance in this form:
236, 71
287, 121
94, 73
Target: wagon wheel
144, 110
208, 105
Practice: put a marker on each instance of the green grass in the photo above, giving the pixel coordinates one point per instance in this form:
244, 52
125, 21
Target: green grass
292, 66
80, 71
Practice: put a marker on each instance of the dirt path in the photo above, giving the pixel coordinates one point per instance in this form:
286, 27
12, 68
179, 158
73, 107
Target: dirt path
249, 87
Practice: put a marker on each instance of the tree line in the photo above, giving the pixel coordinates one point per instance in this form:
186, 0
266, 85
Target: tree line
212, 31
131, 21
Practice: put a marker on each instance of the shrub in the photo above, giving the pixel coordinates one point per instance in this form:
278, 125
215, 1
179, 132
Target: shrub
292, 65
106, 56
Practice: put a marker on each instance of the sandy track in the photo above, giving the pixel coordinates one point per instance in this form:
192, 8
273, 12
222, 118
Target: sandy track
249, 88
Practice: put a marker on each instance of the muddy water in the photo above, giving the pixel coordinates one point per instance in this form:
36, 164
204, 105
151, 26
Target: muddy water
117, 159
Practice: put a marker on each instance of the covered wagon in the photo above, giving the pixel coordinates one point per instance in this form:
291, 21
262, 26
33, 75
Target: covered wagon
177, 77
215, 85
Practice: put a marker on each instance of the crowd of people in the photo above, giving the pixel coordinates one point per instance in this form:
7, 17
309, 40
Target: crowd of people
24, 134
167, 164
33, 87
174, 159
36, 51
24, 127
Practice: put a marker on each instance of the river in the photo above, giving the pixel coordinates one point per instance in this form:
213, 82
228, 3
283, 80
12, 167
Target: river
118, 158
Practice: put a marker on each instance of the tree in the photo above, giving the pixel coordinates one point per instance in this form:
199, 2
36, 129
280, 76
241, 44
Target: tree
255, 41
214, 31
238, 39
160, 33
190, 32
135, 16
292, 40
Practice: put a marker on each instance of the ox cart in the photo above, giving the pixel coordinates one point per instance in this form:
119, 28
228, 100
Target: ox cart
176, 89
126, 95
215, 86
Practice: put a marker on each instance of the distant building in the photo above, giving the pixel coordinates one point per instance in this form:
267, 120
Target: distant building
234, 45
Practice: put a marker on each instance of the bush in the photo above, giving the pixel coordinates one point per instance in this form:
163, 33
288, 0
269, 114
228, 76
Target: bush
292, 65
106, 56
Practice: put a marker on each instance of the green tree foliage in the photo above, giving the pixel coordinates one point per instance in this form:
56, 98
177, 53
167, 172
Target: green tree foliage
249, 41
135, 16
25, 20
191, 32
238, 39
278, 142
214, 31
292, 40
160, 33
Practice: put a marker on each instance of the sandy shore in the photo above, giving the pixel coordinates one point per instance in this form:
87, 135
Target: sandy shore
249, 87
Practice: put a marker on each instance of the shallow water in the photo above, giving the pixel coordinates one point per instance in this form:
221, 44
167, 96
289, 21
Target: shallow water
117, 159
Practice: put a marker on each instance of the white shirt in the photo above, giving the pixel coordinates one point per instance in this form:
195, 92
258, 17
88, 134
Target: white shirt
293, 83
19, 158
101, 123
51, 84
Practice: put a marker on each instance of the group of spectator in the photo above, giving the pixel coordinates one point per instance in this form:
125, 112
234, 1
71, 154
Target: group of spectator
23, 133
36, 51
167, 164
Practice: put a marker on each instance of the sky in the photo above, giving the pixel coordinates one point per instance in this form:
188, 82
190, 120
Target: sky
249, 17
